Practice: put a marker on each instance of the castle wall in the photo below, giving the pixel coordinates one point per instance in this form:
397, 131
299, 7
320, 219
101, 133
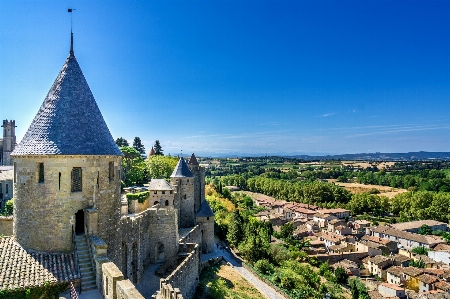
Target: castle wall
6, 225
207, 233
184, 201
199, 185
49, 207
193, 236
157, 197
8, 142
184, 277
147, 237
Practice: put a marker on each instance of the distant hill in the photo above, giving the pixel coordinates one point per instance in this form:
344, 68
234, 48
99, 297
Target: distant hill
411, 156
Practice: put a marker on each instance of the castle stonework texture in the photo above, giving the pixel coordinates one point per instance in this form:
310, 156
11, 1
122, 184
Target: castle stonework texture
8, 142
67, 184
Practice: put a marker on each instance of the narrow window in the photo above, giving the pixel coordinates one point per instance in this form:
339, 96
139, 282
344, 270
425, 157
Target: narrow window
76, 179
98, 178
111, 171
155, 192
167, 202
59, 181
7, 191
184, 196
171, 192
41, 173
163, 192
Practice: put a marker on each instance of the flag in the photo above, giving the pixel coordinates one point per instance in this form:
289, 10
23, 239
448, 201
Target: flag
69, 10
73, 293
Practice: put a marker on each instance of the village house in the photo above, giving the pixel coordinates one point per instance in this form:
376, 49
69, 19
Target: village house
387, 289
350, 267
339, 213
407, 240
330, 239
426, 282
414, 226
378, 266
322, 219
334, 223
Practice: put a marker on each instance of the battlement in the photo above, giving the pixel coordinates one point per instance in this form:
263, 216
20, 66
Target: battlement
7, 123
184, 277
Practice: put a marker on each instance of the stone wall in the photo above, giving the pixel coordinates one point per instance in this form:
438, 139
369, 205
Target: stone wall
50, 206
144, 238
185, 277
157, 197
193, 236
136, 207
6, 225
115, 286
184, 200
199, 185
207, 236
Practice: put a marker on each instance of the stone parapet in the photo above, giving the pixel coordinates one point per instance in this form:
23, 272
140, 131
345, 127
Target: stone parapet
6, 225
186, 276
126, 290
111, 275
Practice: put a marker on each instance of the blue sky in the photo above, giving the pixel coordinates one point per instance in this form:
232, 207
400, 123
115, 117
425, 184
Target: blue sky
225, 77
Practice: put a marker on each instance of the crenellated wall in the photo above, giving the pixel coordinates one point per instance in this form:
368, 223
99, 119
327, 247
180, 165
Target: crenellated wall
185, 277
145, 238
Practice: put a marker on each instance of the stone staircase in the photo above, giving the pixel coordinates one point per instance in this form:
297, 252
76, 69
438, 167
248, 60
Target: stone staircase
85, 262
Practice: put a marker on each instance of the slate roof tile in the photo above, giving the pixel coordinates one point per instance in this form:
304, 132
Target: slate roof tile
181, 170
69, 121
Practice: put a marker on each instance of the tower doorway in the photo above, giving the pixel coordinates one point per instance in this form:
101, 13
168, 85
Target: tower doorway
79, 222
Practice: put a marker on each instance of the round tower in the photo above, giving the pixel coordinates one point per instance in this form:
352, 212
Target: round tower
67, 169
199, 185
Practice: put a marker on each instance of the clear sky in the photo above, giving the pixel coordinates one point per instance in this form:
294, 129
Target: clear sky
292, 77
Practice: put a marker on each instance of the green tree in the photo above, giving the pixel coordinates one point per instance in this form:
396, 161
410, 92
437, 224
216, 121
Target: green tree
158, 149
235, 233
341, 275
161, 167
425, 230
131, 158
121, 142
137, 145
287, 230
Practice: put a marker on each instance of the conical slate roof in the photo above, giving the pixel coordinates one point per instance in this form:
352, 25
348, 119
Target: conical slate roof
205, 210
69, 121
181, 170
193, 160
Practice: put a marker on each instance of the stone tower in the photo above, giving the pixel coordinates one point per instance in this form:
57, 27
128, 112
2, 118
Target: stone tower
67, 169
183, 182
199, 183
9, 142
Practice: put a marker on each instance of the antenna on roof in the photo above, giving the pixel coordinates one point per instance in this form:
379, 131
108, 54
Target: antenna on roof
71, 33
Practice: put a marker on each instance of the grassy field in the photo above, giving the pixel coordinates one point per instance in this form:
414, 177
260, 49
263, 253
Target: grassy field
222, 282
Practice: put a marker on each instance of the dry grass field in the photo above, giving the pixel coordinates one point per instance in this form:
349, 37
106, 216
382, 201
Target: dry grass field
360, 188
224, 282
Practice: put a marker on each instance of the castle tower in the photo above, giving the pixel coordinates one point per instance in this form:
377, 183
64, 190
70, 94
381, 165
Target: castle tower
199, 184
9, 142
67, 169
183, 181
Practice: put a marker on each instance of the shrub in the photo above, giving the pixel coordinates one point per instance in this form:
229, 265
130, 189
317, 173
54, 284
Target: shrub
9, 207
265, 267
140, 196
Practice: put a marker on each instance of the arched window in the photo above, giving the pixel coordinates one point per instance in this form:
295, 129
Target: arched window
167, 203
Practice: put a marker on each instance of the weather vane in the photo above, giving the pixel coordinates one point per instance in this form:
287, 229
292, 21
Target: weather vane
71, 33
